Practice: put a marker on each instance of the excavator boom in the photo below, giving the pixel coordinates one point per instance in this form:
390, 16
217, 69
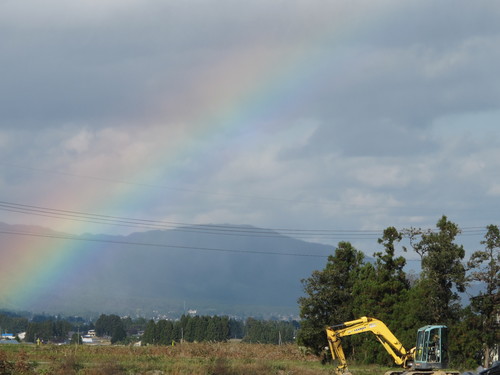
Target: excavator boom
365, 324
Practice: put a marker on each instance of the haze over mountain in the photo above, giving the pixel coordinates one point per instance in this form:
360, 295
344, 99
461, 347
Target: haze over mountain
245, 271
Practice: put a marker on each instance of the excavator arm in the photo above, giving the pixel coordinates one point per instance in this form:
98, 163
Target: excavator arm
361, 325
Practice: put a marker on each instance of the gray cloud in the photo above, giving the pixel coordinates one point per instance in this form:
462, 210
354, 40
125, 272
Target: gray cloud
102, 62
307, 113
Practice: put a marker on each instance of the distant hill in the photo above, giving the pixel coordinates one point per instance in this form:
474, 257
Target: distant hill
244, 271
169, 271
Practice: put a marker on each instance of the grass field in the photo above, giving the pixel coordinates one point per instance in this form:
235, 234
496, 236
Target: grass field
189, 358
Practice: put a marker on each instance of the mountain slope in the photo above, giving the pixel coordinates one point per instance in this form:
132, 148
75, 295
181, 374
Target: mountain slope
169, 271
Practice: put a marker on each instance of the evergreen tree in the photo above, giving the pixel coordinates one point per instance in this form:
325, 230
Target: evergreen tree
60, 330
118, 332
182, 328
48, 330
235, 329
149, 337
104, 325
212, 331
465, 340
39, 330
201, 328
378, 291
164, 332
485, 268
253, 331
222, 328
442, 272
329, 295
269, 332
177, 331
13, 323
190, 330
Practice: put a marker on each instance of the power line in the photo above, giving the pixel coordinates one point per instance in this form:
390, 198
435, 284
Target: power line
132, 243
298, 233
231, 230
202, 228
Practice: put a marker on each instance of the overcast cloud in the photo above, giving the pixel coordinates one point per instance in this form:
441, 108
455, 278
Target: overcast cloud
280, 114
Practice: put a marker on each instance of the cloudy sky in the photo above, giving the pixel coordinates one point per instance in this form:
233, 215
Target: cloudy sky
306, 115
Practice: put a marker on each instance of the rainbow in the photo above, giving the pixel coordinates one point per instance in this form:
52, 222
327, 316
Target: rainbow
240, 92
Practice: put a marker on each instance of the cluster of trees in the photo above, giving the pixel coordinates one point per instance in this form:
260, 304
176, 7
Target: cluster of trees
45, 328
56, 329
270, 331
51, 328
12, 323
217, 329
188, 328
349, 287
111, 326
126, 330
48, 330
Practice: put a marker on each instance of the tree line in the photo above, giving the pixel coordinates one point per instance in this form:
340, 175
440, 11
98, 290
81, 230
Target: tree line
46, 328
350, 287
270, 332
217, 329
124, 330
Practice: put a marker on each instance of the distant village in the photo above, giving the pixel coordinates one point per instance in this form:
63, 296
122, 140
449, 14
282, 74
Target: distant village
161, 330
88, 338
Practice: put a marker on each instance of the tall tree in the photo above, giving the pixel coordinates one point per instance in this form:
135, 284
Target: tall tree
222, 328
378, 291
465, 340
235, 329
329, 297
485, 268
164, 328
150, 335
443, 273
253, 331
201, 323
101, 325
380, 287
190, 329
211, 333
118, 332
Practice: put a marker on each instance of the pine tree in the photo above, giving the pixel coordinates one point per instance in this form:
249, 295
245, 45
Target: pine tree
211, 333
164, 329
485, 268
378, 291
149, 337
329, 296
118, 332
443, 273
190, 329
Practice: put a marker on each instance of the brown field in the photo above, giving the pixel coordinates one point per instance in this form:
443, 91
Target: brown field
188, 358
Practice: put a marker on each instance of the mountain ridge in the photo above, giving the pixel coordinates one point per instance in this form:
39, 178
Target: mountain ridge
169, 271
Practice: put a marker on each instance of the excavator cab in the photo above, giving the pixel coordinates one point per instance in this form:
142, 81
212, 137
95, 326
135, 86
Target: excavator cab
431, 351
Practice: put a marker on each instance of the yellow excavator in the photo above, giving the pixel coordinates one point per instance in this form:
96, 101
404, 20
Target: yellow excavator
429, 357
